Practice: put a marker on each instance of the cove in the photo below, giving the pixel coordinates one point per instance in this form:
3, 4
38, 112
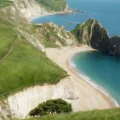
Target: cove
102, 69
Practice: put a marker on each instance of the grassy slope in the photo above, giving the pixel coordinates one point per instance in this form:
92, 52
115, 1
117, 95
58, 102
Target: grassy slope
4, 3
24, 65
113, 114
49, 38
78, 31
7, 37
56, 5
46, 34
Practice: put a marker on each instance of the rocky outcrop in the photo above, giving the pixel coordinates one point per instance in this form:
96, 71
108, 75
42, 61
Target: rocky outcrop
46, 35
5, 113
26, 10
21, 10
55, 35
92, 34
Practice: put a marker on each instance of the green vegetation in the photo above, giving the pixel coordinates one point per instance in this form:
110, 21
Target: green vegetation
79, 29
112, 114
7, 37
55, 5
4, 3
51, 107
46, 34
51, 36
27, 66
22, 65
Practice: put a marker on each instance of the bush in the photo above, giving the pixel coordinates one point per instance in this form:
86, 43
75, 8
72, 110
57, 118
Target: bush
51, 107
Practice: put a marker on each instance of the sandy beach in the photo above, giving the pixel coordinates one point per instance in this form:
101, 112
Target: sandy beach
50, 13
89, 97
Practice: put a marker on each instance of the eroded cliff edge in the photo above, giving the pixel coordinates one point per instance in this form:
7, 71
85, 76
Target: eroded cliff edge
26, 10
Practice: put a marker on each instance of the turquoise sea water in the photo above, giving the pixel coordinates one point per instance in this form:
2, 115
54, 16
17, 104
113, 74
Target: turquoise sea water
102, 69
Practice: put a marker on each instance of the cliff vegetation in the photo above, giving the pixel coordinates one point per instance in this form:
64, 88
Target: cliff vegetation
93, 34
52, 107
24, 64
54, 5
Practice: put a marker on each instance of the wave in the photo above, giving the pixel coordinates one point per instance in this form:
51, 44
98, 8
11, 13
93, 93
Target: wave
72, 65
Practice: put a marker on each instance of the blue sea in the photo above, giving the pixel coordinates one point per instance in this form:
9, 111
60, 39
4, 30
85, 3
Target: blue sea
108, 13
101, 69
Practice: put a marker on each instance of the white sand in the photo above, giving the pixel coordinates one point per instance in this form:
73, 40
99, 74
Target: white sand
89, 97
50, 13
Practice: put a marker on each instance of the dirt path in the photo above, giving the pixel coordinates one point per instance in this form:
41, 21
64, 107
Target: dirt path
10, 50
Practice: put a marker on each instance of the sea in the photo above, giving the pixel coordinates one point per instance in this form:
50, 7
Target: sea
100, 70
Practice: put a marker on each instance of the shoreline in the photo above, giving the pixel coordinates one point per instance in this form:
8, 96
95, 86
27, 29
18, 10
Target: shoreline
90, 98
52, 13
112, 102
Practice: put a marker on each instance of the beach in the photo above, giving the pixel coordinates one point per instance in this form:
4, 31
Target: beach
89, 97
51, 13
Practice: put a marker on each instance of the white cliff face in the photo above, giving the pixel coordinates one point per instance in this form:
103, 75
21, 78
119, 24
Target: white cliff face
5, 112
32, 39
23, 102
24, 9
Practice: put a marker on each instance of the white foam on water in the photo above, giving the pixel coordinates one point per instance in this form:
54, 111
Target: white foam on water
72, 65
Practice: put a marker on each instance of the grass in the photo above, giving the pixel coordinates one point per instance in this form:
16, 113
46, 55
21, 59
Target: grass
46, 34
55, 5
4, 3
79, 29
112, 114
7, 37
25, 65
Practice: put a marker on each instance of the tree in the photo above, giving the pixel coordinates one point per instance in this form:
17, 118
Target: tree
51, 107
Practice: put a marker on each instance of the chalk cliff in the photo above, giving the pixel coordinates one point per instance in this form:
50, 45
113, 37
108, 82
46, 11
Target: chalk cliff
20, 104
26, 10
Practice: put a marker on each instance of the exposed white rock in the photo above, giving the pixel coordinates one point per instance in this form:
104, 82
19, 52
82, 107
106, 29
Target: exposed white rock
23, 102
5, 112
24, 9
33, 40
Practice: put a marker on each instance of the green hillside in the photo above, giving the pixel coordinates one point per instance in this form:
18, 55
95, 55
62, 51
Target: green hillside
55, 5
112, 114
4, 3
23, 65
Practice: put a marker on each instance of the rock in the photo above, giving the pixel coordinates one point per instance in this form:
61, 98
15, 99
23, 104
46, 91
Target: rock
23, 10
93, 34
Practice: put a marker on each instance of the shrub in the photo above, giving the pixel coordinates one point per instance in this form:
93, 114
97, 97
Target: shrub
51, 107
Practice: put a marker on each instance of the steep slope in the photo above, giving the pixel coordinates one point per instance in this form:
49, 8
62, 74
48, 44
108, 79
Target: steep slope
4, 3
22, 10
92, 34
47, 35
25, 10
54, 5
25, 66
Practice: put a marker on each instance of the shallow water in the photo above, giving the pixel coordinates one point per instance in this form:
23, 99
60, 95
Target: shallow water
102, 69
